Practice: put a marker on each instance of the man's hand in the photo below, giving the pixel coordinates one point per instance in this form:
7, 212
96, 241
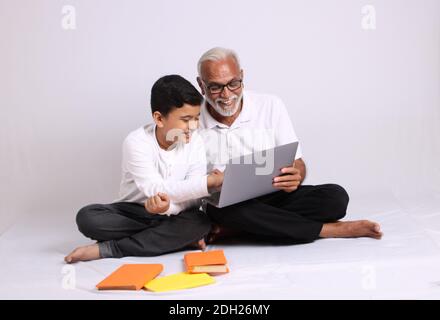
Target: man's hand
289, 180
157, 204
215, 180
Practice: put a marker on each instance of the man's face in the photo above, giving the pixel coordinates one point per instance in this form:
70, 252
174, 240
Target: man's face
179, 123
221, 84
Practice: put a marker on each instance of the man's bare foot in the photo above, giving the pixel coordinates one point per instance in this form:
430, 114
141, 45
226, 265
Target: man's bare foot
219, 232
85, 253
351, 229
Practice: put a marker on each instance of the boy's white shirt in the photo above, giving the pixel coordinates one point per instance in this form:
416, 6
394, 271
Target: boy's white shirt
148, 169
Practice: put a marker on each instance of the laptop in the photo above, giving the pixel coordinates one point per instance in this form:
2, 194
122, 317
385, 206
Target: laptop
251, 176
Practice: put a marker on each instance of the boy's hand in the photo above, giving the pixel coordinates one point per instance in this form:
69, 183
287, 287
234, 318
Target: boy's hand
215, 179
157, 204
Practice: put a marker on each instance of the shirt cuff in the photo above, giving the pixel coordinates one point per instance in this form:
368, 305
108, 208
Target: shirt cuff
203, 189
198, 188
173, 209
176, 208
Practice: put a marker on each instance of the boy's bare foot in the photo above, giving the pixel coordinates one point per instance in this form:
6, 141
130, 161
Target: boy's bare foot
219, 232
351, 229
199, 245
202, 244
86, 253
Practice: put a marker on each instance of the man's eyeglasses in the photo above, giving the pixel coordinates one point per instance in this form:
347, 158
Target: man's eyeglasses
217, 88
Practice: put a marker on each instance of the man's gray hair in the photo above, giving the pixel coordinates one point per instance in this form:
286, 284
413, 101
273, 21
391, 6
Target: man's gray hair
217, 54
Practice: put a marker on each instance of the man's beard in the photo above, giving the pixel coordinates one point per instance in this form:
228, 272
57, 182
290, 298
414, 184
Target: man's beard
230, 108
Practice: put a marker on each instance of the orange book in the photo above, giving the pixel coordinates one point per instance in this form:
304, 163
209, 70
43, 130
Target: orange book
130, 277
212, 262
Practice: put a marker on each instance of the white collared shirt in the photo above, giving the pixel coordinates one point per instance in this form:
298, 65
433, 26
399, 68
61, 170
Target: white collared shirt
148, 169
263, 123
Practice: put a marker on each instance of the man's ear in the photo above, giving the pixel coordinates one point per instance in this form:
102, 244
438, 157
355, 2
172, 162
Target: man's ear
242, 77
199, 81
158, 119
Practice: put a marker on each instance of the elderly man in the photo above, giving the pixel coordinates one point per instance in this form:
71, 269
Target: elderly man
234, 120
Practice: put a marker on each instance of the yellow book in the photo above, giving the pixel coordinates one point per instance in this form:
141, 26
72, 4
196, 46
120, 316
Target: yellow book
179, 281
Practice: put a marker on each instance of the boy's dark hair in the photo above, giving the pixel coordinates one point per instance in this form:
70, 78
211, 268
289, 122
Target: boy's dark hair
173, 91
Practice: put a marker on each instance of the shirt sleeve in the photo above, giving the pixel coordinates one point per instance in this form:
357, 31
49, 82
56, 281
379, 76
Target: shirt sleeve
139, 162
198, 167
284, 132
176, 208
198, 163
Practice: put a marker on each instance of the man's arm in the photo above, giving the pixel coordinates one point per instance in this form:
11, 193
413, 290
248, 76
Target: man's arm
290, 177
300, 164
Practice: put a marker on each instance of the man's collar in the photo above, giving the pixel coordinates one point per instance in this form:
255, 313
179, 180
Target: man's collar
244, 116
208, 119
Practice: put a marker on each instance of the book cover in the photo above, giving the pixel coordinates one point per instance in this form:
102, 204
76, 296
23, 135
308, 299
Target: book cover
179, 281
213, 262
130, 277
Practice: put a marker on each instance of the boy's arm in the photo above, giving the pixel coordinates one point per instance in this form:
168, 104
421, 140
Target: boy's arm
197, 168
161, 204
139, 163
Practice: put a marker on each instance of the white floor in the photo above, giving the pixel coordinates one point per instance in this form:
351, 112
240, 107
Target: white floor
405, 264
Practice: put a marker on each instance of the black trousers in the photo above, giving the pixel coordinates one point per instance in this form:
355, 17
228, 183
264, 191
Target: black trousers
127, 229
295, 217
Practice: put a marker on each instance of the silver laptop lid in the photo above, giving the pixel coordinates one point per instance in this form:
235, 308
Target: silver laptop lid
251, 175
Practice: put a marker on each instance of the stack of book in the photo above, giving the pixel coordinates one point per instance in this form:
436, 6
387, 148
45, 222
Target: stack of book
212, 262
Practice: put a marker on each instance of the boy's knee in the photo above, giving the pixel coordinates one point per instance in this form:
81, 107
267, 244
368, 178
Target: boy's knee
86, 220
197, 217
217, 215
195, 222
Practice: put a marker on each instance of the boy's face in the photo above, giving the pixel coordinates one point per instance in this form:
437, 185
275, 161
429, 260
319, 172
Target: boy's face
179, 123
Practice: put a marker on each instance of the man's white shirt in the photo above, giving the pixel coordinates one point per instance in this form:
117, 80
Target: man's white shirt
263, 123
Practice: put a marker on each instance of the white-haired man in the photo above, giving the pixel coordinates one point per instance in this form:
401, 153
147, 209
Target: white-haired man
234, 122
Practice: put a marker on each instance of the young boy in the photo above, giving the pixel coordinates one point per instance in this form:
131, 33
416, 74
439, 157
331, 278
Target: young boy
163, 176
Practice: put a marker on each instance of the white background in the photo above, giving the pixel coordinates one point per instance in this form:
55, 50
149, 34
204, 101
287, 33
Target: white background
365, 103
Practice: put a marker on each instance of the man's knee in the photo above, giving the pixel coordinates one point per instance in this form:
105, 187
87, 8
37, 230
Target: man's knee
86, 220
337, 201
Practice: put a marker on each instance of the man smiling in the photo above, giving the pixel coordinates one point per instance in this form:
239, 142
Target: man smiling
238, 121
